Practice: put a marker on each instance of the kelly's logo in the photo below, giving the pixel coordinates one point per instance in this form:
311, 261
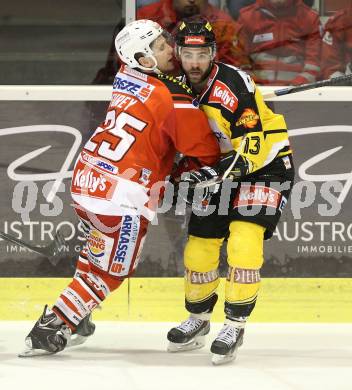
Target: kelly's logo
89, 181
222, 94
257, 195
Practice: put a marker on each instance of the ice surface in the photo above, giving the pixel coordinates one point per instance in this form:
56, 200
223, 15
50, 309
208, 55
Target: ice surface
132, 356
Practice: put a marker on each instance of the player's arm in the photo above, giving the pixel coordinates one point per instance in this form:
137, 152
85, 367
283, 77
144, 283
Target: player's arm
193, 136
270, 137
264, 136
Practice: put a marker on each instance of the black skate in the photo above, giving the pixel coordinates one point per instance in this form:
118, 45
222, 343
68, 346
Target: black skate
84, 329
189, 335
224, 347
46, 337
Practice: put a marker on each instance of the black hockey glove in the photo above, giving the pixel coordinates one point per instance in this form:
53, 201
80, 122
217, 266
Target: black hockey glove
241, 168
203, 174
203, 195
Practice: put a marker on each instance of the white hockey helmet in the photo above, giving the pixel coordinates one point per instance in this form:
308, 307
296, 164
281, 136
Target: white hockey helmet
136, 37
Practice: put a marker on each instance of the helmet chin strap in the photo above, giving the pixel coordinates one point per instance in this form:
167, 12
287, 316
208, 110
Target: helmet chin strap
154, 68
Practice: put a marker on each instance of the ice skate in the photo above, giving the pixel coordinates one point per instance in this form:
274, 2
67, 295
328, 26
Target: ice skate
47, 336
84, 329
230, 338
190, 334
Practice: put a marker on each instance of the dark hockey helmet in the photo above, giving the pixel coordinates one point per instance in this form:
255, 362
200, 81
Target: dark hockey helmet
195, 33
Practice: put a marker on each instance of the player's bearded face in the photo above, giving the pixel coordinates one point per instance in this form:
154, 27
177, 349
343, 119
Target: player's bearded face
196, 63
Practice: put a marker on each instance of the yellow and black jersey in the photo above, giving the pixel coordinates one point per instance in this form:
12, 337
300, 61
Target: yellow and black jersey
235, 108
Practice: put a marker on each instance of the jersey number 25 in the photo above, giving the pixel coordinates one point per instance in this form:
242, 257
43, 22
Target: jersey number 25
116, 147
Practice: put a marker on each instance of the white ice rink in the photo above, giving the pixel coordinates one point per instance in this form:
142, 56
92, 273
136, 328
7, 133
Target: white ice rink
131, 356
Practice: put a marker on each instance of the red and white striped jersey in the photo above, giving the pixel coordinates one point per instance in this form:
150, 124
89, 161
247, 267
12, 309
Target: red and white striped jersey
148, 119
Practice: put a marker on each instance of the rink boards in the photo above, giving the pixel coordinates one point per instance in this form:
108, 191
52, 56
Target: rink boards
307, 275
161, 299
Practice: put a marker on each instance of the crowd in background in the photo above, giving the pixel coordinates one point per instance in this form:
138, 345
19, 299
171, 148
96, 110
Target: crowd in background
278, 42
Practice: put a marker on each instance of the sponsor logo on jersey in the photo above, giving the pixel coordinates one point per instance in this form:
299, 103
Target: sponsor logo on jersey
91, 305
243, 276
222, 94
248, 119
145, 174
106, 167
126, 245
90, 182
257, 195
129, 85
76, 299
195, 40
99, 250
95, 281
103, 165
86, 179
134, 73
96, 244
201, 277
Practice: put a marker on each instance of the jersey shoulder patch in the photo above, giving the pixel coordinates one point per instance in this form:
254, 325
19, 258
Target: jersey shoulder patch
236, 78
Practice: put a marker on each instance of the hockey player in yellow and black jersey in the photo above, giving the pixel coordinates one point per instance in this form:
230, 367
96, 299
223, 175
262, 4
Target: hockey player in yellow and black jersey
254, 142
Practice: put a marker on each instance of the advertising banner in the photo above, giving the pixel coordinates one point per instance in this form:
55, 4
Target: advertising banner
40, 140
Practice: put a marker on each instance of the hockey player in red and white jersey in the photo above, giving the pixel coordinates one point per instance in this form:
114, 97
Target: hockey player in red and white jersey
150, 116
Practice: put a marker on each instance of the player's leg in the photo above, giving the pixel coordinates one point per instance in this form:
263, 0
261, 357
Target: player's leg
82, 265
201, 259
113, 255
245, 258
256, 210
86, 327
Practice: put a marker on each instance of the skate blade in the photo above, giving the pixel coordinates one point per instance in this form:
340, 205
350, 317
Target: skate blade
73, 342
223, 359
27, 353
76, 340
217, 360
193, 344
